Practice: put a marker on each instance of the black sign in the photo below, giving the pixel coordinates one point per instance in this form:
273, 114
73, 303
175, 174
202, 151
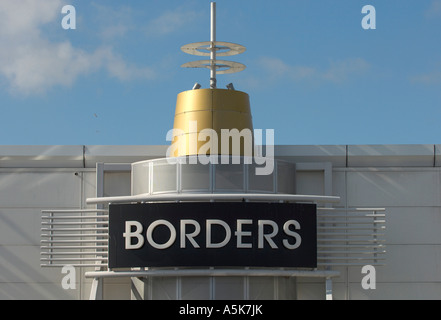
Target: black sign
224, 234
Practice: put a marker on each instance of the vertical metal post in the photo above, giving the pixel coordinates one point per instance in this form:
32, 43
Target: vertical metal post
374, 213
328, 288
51, 238
96, 291
213, 45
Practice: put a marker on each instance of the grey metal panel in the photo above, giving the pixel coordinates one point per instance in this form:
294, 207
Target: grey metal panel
36, 291
229, 177
55, 156
391, 155
413, 225
412, 187
195, 288
163, 288
121, 154
89, 184
116, 290
310, 182
20, 226
140, 180
407, 290
20, 264
262, 183
229, 288
310, 291
36, 189
262, 288
438, 155
117, 183
407, 263
286, 288
286, 178
336, 154
164, 176
339, 185
195, 177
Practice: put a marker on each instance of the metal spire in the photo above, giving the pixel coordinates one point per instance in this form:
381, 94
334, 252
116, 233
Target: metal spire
214, 49
213, 46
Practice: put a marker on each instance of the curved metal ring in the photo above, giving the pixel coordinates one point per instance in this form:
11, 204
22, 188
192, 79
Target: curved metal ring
231, 66
204, 48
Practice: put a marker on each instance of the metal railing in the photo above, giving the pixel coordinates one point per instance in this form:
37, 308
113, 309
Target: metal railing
74, 237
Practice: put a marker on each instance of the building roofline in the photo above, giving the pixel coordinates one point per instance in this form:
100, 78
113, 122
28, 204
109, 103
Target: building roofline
87, 156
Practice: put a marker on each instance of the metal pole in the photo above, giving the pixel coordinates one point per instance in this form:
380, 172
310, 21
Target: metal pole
213, 45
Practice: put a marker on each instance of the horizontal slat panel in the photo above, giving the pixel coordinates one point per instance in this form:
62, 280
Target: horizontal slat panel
74, 247
352, 241
349, 258
72, 253
74, 265
331, 222
351, 246
76, 241
352, 234
73, 229
66, 211
347, 236
104, 217
74, 237
73, 259
70, 223
348, 264
323, 252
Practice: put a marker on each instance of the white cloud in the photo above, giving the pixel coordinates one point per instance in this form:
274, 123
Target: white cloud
113, 22
430, 78
340, 71
337, 71
21, 17
434, 9
170, 21
277, 69
120, 69
37, 67
31, 63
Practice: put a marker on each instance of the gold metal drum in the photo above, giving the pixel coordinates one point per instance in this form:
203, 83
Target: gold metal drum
212, 109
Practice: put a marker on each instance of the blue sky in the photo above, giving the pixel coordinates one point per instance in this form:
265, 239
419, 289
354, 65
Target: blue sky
314, 75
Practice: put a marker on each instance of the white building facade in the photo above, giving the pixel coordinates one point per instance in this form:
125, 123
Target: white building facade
405, 180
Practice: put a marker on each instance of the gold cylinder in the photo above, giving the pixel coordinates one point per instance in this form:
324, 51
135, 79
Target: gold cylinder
200, 117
